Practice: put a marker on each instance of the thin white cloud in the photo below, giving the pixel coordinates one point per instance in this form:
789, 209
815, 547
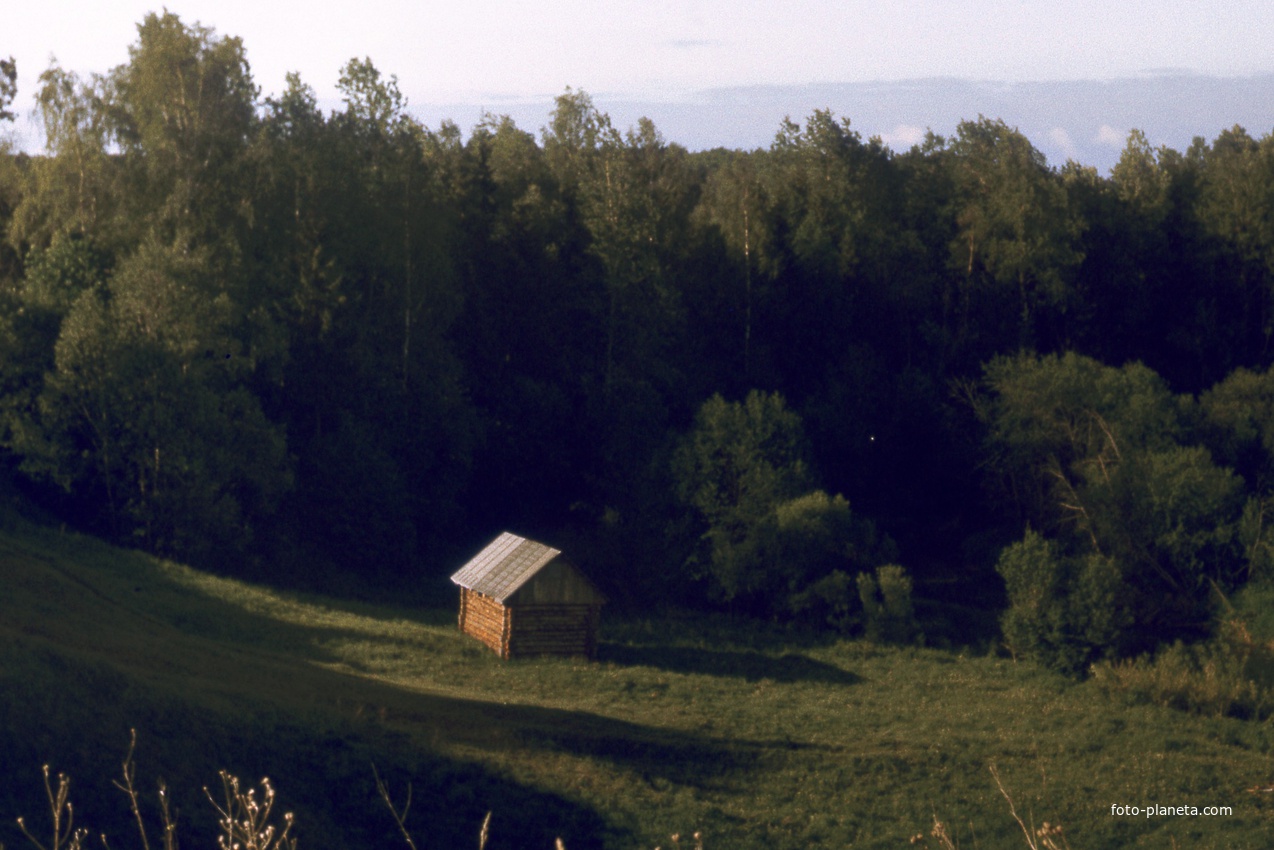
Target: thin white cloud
1062, 139
1108, 135
904, 136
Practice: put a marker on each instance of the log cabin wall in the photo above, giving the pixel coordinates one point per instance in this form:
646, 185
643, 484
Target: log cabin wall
485, 619
553, 630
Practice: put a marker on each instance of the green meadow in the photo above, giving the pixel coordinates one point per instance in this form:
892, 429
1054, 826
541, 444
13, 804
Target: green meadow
751, 736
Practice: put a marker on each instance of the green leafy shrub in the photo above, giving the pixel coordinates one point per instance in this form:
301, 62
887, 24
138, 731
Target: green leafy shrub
888, 615
735, 466
770, 544
1063, 611
829, 600
1141, 522
1253, 606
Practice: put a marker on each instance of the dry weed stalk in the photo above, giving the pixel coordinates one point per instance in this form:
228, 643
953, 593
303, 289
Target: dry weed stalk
400, 818
62, 814
1044, 838
245, 819
169, 822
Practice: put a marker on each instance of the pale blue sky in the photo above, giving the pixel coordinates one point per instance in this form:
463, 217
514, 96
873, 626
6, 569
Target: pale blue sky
497, 51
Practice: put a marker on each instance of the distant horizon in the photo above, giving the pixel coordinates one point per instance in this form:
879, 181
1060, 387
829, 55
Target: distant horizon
724, 73
1085, 120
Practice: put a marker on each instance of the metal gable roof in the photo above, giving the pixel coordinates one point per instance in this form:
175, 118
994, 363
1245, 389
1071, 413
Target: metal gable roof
506, 564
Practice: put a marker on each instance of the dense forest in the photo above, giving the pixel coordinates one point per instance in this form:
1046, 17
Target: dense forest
345, 350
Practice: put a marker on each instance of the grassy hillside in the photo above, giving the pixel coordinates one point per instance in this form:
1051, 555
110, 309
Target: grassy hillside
757, 738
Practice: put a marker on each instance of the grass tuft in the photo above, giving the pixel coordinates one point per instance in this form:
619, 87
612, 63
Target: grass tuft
1231, 675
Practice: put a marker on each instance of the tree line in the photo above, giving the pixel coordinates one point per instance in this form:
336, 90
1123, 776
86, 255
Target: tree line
244, 332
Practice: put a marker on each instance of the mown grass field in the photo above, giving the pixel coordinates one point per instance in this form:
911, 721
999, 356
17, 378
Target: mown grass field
755, 737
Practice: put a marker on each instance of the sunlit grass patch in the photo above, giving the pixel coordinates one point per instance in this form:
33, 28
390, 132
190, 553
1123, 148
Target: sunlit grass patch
756, 735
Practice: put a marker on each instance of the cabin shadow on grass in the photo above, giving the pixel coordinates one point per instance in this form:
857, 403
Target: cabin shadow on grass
748, 665
659, 756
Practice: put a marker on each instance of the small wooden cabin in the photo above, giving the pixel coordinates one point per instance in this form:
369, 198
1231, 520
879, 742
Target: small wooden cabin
522, 598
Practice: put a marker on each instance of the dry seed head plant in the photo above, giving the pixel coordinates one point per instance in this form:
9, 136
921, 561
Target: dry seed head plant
247, 822
1045, 837
939, 833
62, 813
675, 838
246, 816
247, 819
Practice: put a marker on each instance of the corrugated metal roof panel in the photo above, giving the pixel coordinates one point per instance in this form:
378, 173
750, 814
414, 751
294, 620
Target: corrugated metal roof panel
506, 564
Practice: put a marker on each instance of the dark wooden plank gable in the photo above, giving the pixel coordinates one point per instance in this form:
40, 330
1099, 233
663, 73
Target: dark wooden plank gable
557, 582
